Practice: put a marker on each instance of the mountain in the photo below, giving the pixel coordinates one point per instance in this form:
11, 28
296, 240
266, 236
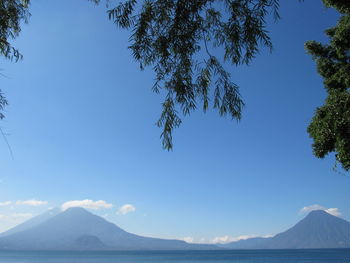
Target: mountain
78, 229
317, 230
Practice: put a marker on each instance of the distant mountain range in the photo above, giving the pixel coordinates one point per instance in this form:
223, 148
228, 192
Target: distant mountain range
78, 229
317, 230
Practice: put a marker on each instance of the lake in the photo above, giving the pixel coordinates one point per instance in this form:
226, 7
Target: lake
233, 256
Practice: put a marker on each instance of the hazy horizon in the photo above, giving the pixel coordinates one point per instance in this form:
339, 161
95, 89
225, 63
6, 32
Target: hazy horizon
87, 205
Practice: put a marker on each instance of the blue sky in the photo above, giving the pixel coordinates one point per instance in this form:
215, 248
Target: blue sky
81, 124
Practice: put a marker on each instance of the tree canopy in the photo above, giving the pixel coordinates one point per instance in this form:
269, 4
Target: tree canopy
330, 127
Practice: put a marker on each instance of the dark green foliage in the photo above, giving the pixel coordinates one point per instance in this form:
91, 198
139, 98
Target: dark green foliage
12, 13
343, 6
171, 35
330, 127
3, 103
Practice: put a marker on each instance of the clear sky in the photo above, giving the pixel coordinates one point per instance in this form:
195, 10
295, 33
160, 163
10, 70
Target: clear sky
81, 124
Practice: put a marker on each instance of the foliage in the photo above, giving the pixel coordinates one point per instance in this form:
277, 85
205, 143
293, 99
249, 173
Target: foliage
172, 35
330, 127
12, 13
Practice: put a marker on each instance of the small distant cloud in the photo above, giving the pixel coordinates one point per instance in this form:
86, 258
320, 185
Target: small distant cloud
188, 239
6, 203
195, 240
228, 239
31, 202
87, 203
332, 211
126, 209
307, 209
221, 239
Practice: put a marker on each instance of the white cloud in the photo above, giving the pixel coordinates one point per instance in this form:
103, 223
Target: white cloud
188, 239
86, 204
228, 239
126, 209
194, 240
332, 211
310, 208
31, 202
223, 239
6, 203
220, 240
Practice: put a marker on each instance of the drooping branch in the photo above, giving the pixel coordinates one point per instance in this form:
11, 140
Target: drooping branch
169, 36
12, 14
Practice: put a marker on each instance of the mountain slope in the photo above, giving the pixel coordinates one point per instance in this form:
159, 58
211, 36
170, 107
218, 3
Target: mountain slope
317, 230
78, 229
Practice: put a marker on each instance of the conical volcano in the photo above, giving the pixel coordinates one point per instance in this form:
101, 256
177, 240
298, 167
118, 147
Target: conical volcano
318, 229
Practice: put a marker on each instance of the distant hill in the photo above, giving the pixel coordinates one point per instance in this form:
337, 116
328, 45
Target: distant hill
78, 229
317, 230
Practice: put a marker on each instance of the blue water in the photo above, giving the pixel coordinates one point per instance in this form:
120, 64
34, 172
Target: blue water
238, 256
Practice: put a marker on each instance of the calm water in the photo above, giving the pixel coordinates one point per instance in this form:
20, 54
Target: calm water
241, 256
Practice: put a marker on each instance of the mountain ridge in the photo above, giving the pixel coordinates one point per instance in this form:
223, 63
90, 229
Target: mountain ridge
318, 229
79, 229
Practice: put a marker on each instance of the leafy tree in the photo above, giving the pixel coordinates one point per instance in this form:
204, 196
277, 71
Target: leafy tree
172, 36
12, 12
330, 127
